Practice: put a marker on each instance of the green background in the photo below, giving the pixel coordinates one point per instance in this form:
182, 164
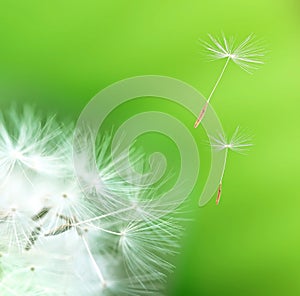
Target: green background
58, 54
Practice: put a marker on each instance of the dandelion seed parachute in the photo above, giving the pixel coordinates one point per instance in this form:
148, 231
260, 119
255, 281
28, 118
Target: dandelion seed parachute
239, 142
248, 55
57, 240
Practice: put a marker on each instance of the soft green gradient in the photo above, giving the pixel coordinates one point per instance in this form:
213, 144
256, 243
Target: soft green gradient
58, 54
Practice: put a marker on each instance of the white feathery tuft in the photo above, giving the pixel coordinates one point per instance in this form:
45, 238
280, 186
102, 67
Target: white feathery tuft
239, 142
248, 54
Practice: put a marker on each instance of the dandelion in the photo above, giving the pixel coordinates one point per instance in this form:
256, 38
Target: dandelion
248, 55
239, 142
59, 240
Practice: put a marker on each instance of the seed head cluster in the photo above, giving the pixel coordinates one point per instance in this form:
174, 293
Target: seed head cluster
58, 238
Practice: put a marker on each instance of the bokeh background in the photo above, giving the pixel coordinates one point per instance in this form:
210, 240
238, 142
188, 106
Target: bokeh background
58, 54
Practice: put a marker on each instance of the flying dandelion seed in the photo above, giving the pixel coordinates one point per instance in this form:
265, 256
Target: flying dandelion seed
248, 55
239, 142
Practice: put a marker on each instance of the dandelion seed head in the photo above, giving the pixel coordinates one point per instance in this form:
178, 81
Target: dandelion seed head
59, 240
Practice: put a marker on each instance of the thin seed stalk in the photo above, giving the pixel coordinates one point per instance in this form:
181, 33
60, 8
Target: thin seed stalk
204, 108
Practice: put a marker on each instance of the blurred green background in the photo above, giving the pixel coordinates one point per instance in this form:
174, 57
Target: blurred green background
59, 54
